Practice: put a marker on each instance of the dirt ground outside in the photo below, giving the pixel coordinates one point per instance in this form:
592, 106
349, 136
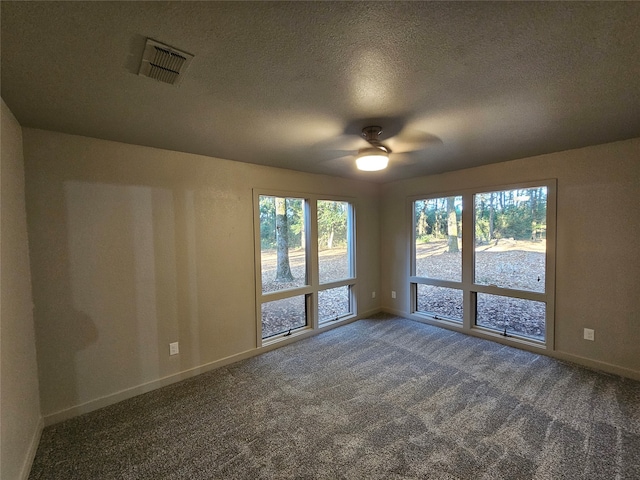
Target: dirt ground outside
506, 263
282, 315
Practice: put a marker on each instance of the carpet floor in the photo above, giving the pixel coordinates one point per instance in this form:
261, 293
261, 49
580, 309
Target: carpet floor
382, 398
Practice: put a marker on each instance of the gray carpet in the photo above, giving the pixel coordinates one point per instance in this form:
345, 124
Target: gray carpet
385, 398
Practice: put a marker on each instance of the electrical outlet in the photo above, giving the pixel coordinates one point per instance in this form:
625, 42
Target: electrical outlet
393, 294
589, 334
173, 348
373, 294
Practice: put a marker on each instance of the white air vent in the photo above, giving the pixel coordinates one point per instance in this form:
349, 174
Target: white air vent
164, 63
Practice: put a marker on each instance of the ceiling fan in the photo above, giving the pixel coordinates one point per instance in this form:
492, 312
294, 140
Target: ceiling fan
374, 155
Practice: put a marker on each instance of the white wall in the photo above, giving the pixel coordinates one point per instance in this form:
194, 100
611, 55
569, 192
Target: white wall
20, 418
134, 247
597, 249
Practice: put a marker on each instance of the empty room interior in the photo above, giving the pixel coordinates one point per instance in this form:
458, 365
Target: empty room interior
320, 240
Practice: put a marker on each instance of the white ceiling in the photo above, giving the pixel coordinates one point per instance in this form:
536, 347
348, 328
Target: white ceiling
282, 83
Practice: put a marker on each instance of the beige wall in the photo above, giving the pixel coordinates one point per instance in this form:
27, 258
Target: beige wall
20, 411
597, 254
134, 247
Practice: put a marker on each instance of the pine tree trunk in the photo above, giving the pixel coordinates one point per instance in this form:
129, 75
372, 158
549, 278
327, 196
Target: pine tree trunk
422, 224
491, 218
283, 270
452, 226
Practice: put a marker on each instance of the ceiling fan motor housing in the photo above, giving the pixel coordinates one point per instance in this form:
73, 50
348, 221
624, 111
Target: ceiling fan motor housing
371, 135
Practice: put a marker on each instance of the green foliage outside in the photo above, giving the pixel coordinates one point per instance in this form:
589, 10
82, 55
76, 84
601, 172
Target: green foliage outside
295, 217
519, 214
431, 219
332, 223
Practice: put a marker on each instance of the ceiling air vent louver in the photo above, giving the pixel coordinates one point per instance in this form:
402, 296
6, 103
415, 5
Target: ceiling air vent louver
163, 63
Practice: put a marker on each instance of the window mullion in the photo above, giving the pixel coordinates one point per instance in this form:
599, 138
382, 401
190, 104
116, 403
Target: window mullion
312, 260
282, 294
436, 282
351, 240
468, 261
510, 292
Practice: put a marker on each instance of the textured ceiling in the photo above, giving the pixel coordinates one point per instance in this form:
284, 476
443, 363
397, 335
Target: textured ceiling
285, 84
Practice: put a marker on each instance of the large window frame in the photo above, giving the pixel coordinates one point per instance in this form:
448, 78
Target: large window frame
430, 281
468, 286
313, 285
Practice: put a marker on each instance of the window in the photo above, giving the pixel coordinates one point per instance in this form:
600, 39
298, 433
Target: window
441, 302
294, 292
335, 259
437, 257
334, 303
334, 227
283, 264
280, 316
437, 238
510, 260
495, 276
282, 243
511, 315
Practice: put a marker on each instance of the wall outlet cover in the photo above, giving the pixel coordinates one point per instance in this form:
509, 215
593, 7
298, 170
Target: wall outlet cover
589, 334
173, 348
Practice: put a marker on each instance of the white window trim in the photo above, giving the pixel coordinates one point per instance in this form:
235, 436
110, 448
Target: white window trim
311, 247
467, 285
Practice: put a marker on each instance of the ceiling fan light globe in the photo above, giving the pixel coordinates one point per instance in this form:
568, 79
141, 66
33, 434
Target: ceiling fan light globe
372, 161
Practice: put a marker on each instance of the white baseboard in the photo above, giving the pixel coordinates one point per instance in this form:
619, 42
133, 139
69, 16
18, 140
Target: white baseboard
596, 365
393, 311
125, 394
558, 355
31, 452
369, 313
161, 382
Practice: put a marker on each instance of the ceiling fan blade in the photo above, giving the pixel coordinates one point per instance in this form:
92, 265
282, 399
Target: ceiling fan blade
330, 155
343, 142
339, 161
408, 158
409, 140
